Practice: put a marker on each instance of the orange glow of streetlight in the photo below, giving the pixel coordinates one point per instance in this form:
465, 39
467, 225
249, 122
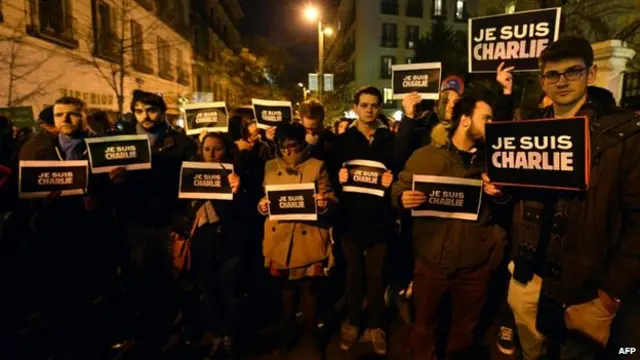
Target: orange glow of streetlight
311, 13
328, 31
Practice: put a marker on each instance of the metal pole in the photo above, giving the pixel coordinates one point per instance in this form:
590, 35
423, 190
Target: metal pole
320, 60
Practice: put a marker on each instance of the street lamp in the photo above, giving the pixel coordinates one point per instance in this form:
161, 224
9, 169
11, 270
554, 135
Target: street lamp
304, 91
313, 14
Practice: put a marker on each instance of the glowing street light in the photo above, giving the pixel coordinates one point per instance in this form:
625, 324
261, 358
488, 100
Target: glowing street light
301, 85
311, 13
328, 31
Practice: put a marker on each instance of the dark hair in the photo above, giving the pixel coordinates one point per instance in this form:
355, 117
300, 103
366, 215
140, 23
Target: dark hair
99, 122
68, 100
464, 107
567, 47
289, 131
219, 136
368, 90
336, 125
46, 115
312, 109
147, 98
239, 121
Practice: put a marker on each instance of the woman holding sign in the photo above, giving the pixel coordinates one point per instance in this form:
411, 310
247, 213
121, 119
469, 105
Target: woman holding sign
297, 251
217, 247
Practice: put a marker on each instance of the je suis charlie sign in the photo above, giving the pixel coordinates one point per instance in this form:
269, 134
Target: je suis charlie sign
516, 39
132, 152
270, 113
294, 202
199, 180
548, 153
211, 117
448, 197
39, 178
421, 78
365, 177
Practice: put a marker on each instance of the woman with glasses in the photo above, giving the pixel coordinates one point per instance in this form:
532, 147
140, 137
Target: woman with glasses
297, 252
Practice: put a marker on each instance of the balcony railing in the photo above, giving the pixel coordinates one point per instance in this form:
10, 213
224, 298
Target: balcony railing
389, 42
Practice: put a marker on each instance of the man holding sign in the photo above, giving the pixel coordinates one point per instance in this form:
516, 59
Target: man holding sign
577, 256
458, 251
68, 233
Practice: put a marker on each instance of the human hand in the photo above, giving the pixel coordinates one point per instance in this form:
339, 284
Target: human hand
343, 176
412, 199
234, 182
504, 77
263, 205
117, 175
271, 133
387, 179
489, 188
409, 104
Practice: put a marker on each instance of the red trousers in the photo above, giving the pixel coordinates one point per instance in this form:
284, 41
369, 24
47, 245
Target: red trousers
468, 295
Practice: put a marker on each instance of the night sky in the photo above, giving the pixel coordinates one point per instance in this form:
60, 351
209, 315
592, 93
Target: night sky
283, 24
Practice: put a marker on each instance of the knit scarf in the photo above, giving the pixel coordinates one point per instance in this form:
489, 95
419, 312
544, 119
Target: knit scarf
73, 147
154, 135
551, 304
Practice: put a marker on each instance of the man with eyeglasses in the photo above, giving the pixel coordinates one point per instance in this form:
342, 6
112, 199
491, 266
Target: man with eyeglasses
576, 256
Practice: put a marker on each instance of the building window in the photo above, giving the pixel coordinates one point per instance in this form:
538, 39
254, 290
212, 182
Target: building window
387, 95
141, 60
164, 60
510, 8
386, 69
52, 20
414, 8
413, 35
181, 69
105, 38
389, 35
389, 7
439, 9
461, 10
410, 60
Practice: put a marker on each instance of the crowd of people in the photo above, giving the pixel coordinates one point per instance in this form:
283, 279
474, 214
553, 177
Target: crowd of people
562, 268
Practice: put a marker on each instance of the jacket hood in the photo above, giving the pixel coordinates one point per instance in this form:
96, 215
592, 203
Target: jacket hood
440, 135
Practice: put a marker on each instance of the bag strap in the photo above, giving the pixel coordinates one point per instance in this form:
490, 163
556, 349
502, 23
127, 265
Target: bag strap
194, 226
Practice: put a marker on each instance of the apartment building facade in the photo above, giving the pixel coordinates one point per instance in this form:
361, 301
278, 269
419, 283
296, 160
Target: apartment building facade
373, 35
97, 50
217, 45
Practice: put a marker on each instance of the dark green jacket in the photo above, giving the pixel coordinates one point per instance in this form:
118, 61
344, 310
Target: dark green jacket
451, 245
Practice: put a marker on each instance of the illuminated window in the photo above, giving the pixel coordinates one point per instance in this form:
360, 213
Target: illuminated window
461, 10
438, 8
388, 95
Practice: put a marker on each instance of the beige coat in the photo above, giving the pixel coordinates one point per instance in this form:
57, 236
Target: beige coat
295, 244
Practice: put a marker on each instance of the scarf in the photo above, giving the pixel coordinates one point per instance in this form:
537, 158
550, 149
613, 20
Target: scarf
73, 147
155, 134
206, 214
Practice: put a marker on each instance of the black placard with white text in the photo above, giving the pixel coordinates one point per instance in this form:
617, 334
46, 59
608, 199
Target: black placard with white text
549, 153
199, 180
517, 39
294, 202
422, 78
448, 197
270, 113
39, 178
132, 152
365, 177
206, 116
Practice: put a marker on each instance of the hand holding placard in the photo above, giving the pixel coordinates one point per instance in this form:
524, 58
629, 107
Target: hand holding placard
234, 182
263, 205
489, 188
411, 199
409, 104
504, 77
387, 179
343, 176
321, 200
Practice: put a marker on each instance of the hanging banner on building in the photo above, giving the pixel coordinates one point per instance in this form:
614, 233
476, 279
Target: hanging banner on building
270, 113
448, 197
516, 39
549, 153
292, 202
132, 152
210, 181
212, 117
37, 179
422, 78
21, 116
365, 177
